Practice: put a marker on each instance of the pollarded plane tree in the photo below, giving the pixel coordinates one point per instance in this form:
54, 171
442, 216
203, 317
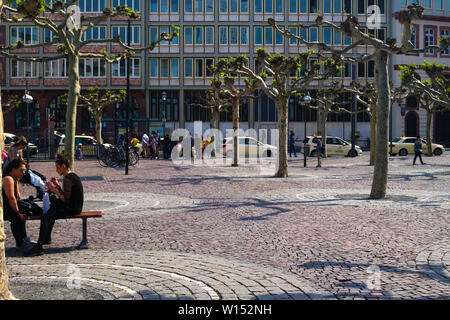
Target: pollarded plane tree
215, 105
96, 100
328, 102
381, 53
366, 96
432, 94
224, 83
67, 35
281, 78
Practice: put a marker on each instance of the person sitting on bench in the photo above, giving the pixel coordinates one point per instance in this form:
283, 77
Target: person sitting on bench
13, 172
66, 202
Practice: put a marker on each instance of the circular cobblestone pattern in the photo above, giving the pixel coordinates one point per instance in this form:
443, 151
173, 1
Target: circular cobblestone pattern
98, 274
142, 204
401, 199
435, 261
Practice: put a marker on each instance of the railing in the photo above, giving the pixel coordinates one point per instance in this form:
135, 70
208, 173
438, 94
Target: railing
90, 152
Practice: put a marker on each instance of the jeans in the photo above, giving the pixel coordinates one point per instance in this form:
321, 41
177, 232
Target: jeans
418, 154
292, 149
18, 228
57, 211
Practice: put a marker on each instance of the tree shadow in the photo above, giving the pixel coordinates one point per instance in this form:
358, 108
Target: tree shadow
13, 252
432, 271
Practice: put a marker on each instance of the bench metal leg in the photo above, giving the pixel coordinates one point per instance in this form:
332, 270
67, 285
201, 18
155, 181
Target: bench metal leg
84, 242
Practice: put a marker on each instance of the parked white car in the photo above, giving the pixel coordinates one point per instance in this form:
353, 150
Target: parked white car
248, 146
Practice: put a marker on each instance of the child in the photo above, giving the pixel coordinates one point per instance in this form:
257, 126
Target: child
79, 152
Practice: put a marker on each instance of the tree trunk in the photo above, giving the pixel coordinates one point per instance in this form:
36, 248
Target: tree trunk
373, 134
380, 174
235, 102
5, 294
283, 116
323, 128
71, 112
98, 128
213, 125
429, 142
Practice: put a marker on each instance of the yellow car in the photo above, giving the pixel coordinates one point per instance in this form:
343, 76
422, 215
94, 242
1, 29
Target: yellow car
334, 146
405, 145
89, 145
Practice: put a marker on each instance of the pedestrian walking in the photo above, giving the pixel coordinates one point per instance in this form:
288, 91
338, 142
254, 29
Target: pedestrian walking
418, 150
291, 144
319, 151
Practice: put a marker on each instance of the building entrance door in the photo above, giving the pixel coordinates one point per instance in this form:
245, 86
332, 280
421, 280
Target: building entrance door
443, 128
412, 124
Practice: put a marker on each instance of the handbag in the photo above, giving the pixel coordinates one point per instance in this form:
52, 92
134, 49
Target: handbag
29, 208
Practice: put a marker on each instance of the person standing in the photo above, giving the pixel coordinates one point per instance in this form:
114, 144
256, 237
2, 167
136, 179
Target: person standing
291, 144
418, 150
66, 202
319, 147
16, 150
166, 147
145, 144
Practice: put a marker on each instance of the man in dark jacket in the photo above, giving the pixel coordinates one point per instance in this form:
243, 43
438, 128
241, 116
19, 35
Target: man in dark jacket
319, 147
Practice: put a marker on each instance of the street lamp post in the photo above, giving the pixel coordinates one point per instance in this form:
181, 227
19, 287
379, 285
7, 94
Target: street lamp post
27, 98
127, 134
164, 98
306, 102
390, 129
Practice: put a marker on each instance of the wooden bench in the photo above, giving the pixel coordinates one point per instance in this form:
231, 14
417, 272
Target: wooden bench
83, 215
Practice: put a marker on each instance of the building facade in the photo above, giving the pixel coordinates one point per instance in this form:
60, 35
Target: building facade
409, 119
209, 30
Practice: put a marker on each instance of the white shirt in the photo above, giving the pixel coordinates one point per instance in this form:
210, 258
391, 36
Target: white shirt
145, 139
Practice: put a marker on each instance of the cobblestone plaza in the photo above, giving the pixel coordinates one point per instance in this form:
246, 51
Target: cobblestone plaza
213, 233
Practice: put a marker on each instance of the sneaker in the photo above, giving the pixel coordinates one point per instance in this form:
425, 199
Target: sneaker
36, 250
28, 241
25, 247
47, 242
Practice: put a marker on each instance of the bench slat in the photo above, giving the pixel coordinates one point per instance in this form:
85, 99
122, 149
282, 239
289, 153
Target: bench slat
84, 214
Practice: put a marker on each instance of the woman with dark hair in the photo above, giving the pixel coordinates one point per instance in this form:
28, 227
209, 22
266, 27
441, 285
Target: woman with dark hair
16, 150
66, 201
13, 172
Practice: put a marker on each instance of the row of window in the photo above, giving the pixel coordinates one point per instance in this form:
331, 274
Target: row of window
264, 110
430, 37
204, 35
161, 68
242, 6
88, 68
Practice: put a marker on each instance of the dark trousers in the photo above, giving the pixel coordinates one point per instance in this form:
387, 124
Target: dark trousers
418, 154
292, 149
166, 151
18, 228
57, 211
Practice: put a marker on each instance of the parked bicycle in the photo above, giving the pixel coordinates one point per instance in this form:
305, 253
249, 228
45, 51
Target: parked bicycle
114, 157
